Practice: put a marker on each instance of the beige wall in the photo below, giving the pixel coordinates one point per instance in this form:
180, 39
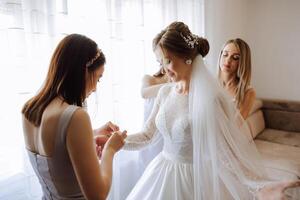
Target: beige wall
272, 29
224, 19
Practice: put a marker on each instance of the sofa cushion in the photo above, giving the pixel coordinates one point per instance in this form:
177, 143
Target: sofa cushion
279, 157
282, 115
280, 137
256, 123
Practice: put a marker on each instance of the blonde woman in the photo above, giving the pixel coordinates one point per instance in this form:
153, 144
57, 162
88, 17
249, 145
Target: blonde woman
235, 74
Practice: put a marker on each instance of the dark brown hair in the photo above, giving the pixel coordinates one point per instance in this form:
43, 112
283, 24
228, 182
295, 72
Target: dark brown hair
172, 39
66, 75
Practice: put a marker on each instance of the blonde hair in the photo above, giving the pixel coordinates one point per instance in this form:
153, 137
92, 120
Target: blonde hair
243, 73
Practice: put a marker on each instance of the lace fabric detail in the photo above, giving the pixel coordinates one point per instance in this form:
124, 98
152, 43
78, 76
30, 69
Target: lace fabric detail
253, 187
254, 182
140, 140
172, 123
254, 191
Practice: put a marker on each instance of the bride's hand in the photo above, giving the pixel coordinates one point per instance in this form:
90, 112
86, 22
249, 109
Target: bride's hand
275, 191
116, 141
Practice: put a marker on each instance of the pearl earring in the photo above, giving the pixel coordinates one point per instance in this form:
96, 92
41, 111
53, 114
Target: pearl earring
188, 62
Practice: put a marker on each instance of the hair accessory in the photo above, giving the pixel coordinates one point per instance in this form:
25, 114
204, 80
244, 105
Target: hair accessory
190, 40
188, 62
90, 63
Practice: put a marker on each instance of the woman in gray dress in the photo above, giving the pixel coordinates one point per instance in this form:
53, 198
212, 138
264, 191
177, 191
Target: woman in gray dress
58, 132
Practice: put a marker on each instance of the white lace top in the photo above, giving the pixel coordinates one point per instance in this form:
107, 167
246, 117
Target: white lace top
170, 117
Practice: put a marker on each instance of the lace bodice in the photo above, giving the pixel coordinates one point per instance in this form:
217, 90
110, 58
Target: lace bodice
170, 117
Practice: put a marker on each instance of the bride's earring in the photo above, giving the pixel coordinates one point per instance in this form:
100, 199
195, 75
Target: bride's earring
188, 62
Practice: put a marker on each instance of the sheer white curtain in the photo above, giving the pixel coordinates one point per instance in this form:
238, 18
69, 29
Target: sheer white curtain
29, 32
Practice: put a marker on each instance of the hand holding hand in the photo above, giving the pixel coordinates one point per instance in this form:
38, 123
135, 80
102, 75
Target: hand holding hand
116, 141
106, 129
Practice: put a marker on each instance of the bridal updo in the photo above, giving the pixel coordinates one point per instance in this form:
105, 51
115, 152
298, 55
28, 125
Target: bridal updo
178, 39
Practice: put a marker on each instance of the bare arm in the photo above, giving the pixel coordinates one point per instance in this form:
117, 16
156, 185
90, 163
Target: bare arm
108, 153
248, 102
150, 87
94, 179
151, 91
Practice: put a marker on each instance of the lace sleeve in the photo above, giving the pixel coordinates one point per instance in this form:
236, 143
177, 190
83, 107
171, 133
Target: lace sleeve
142, 139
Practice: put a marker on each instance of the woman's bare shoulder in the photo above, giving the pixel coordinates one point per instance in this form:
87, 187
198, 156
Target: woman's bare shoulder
80, 117
250, 93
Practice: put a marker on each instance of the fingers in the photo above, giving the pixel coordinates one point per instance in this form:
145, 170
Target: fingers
121, 135
112, 126
124, 134
102, 139
116, 141
99, 151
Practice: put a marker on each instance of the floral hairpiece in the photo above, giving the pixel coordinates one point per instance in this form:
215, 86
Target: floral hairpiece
90, 63
190, 40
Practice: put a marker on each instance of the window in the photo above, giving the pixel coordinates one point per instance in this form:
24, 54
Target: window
29, 32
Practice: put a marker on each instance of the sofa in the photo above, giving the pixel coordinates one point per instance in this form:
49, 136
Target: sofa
275, 128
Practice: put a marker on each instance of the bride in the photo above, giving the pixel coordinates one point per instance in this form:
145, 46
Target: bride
204, 155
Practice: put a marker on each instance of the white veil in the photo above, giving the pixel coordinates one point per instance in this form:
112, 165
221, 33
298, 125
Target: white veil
226, 164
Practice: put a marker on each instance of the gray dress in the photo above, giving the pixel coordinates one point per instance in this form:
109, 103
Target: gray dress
56, 174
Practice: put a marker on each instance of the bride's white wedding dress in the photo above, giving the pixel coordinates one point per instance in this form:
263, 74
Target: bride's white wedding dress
170, 174
133, 163
206, 154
